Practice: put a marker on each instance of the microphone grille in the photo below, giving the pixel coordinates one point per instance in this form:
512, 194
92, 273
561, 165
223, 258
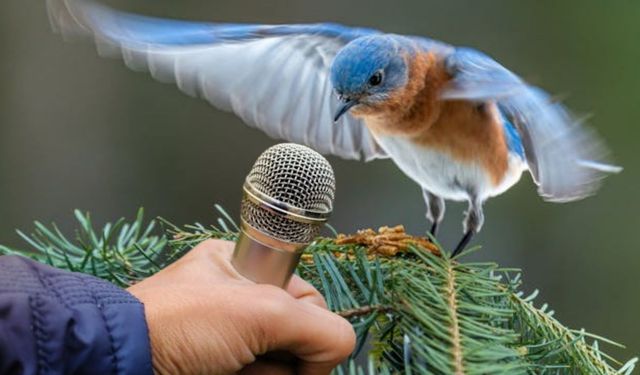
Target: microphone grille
295, 175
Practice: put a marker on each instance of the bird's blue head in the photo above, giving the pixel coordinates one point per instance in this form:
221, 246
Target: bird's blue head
367, 71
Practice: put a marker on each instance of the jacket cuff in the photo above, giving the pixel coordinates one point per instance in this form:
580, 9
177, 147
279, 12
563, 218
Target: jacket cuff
78, 323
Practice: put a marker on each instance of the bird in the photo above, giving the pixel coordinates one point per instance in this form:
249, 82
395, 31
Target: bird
453, 119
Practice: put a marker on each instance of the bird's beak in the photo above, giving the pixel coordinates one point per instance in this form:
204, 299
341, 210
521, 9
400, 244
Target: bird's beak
344, 107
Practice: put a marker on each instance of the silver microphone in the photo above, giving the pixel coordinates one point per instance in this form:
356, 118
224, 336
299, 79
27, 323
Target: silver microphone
287, 196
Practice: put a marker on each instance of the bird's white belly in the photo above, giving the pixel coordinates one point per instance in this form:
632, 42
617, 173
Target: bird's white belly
445, 176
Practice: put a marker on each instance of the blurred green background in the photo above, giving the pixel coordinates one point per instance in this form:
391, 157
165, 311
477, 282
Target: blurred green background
78, 131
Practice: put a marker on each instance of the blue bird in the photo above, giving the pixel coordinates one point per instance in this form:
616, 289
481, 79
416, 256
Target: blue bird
455, 121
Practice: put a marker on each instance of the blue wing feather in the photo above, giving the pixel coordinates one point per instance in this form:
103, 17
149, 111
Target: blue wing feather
142, 29
565, 158
514, 142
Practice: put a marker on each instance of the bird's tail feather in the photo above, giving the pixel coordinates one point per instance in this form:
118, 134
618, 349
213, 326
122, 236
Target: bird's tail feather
601, 167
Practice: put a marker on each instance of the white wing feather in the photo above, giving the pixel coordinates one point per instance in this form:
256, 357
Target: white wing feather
278, 84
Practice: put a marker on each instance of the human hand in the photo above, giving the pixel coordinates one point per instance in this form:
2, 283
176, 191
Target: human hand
205, 318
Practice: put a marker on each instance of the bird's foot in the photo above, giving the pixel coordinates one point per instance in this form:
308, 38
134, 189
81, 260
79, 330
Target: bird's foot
463, 243
434, 229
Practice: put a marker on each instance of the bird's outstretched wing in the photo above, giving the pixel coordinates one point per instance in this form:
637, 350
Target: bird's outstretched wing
565, 159
274, 77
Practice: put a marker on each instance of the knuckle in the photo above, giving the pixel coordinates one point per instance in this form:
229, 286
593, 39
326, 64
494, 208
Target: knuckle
273, 300
318, 300
211, 247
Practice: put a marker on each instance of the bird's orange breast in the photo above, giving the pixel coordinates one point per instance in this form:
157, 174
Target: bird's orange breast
470, 132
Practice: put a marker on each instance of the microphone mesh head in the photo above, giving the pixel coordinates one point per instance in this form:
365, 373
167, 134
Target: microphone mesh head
295, 175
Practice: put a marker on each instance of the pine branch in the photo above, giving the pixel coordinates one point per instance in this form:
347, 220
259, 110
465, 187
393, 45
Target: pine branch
122, 252
415, 310
364, 310
452, 301
553, 344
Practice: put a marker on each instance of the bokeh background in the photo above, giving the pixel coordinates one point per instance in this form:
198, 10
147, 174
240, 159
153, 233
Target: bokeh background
78, 131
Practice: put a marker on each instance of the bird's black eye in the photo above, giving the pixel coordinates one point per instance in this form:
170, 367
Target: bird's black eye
375, 79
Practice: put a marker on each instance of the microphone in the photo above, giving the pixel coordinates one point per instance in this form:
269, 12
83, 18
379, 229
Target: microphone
287, 196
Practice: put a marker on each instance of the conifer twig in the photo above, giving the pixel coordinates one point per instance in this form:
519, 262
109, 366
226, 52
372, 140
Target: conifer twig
364, 310
455, 326
421, 313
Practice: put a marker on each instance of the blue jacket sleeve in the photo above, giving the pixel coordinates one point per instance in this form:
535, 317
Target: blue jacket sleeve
58, 322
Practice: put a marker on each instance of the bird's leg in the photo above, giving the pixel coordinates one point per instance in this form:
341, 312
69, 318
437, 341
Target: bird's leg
435, 210
472, 223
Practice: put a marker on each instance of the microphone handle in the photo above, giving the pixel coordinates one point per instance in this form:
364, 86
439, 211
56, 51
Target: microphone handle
264, 259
